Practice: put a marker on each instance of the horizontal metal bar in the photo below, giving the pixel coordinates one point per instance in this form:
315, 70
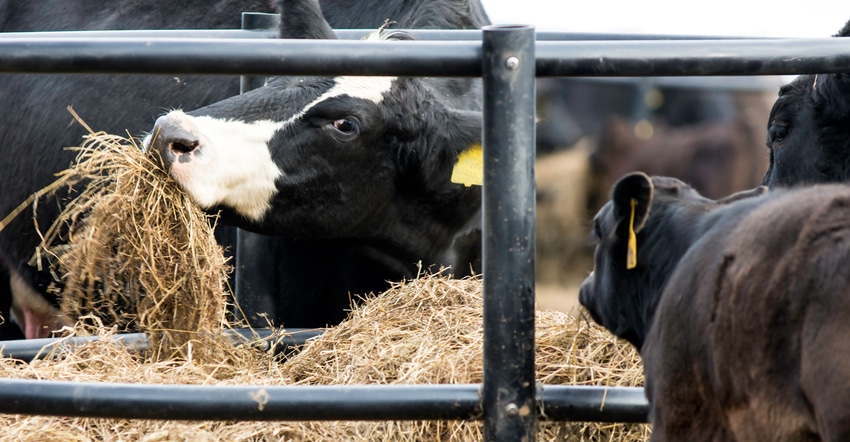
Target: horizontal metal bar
717, 82
694, 58
254, 403
147, 33
593, 404
29, 349
301, 403
426, 34
421, 58
241, 56
356, 34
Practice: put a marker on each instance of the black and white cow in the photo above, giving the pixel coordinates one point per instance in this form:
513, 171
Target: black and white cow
739, 308
38, 126
809, 130
351, 173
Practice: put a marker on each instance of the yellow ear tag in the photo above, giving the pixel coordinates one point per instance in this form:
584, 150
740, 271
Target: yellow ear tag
469, 169
631, 253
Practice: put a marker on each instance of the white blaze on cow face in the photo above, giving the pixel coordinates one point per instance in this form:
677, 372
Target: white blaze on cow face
366, 88
232, 164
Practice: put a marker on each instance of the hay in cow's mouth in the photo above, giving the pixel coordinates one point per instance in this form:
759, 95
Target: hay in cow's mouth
133, 250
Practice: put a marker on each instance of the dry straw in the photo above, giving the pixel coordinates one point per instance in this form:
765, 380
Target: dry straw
133, 250
425, 331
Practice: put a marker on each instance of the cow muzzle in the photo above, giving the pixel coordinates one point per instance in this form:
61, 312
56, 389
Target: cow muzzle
174, 139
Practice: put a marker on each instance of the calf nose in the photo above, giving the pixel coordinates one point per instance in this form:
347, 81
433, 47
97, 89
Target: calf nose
172, 140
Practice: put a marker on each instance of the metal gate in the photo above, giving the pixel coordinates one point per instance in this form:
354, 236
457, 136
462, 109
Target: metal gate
507, 58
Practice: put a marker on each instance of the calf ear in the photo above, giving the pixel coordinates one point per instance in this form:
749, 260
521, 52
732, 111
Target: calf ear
632, 196
303, 19
637, 187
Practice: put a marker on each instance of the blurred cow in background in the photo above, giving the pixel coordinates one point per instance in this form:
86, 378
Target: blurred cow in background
708, 132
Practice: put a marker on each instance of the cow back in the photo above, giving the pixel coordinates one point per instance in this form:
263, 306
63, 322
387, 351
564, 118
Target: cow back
747, 331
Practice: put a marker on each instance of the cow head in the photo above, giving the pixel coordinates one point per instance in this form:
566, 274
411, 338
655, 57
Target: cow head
809, 130
326, 158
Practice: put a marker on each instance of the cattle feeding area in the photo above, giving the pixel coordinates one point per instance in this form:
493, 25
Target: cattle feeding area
508, 402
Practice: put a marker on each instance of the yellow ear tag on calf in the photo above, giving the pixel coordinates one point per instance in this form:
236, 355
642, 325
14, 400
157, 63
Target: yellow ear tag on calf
631, 253
469, 169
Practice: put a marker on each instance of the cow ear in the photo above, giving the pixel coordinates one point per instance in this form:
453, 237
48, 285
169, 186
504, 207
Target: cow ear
303, 19
632, 197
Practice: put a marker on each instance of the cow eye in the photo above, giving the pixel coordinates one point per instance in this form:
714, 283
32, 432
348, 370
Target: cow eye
345, 129
777, 132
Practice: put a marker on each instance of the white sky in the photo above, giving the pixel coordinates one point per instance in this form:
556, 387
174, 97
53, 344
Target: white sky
757, 18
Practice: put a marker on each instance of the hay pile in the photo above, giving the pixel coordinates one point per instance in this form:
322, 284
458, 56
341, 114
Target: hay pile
133, 250
425, 331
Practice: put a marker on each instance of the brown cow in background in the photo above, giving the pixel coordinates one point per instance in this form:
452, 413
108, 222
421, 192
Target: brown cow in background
722, 154
718, 158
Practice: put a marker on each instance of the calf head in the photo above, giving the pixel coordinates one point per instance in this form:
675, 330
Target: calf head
641, 233
809, 130
327, 158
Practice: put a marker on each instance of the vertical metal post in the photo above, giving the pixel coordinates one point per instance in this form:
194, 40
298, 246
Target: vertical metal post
254, 275
256, 20
508, 395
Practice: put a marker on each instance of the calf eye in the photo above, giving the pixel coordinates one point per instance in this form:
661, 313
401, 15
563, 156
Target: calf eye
345, 129
777, 132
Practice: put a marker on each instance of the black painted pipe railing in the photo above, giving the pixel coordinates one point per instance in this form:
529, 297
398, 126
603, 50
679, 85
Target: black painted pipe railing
352, 34
420, 58
298, 403
266, 339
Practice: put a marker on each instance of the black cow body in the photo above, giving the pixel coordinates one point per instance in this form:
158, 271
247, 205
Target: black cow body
316, 270
36, 127
739, 309
352, 174
809, 130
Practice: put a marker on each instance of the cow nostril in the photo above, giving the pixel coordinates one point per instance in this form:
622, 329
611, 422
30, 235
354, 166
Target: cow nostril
183, 146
